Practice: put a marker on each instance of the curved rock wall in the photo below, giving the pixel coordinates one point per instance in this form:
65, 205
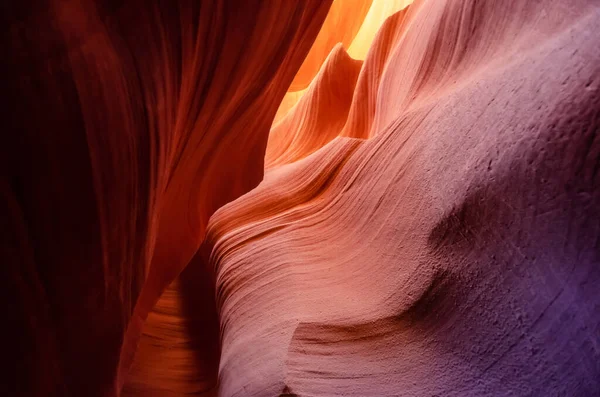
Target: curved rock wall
127, 124
421, 219
446, 242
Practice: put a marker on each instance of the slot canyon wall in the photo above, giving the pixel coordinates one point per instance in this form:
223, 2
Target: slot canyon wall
128, 123
301, 198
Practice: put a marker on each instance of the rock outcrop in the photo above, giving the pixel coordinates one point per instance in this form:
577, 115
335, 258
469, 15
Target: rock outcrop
128, 123
300, 198
444, 241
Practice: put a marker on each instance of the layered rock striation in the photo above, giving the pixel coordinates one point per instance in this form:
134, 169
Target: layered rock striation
444, 240
301, 198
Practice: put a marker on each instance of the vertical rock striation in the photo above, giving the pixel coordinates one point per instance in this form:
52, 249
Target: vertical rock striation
127, 124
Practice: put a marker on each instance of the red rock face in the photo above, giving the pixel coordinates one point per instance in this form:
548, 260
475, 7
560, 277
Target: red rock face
423, 221
128, 123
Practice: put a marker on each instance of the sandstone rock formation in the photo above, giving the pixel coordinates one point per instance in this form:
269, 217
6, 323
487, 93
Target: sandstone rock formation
301, 198
127, 124
446, 242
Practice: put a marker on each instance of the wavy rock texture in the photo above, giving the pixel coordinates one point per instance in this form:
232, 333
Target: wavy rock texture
380, 10
421, 219
342, 21
444, 240
128, 123
320, 114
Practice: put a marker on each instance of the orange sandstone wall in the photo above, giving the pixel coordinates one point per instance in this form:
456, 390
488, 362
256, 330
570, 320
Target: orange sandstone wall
420, 220
127, 124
